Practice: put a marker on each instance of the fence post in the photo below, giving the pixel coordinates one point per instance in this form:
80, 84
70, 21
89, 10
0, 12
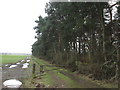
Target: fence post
41, 69
33, 71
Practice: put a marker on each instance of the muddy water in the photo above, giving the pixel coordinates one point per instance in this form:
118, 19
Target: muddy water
28, 60
12, 66
12, 83
18, 63
25, 65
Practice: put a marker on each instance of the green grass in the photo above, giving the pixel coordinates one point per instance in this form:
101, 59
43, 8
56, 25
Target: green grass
6, 59
69, 81
48, 80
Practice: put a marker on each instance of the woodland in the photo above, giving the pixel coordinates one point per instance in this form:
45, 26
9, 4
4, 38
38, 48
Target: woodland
82, 36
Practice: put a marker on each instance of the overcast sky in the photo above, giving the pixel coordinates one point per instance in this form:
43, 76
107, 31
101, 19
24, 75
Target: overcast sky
16, 24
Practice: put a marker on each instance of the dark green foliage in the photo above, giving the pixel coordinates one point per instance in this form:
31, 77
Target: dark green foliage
74, 33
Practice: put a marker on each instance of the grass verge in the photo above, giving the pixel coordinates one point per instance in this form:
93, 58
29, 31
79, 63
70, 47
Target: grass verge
48, 80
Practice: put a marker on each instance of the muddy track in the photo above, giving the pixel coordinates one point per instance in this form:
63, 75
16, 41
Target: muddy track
59, 83
17, 72
84, 83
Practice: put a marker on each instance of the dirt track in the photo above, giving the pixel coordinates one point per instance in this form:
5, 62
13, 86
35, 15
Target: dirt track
74, 80
80, 82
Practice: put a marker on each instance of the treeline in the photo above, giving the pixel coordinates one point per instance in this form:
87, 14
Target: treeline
85, 36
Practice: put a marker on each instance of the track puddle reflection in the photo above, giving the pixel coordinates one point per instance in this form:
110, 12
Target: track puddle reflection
12, 83
12, 66
25, 65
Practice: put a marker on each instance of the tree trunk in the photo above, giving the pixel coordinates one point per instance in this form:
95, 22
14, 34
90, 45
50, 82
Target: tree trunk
104, 40
118, 61
79, 46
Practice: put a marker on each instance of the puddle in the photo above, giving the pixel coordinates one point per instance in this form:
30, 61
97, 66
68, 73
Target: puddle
27, 57
25, 65
6, 65
28, 60
12, 66
22, 60
18, 63
12, 83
